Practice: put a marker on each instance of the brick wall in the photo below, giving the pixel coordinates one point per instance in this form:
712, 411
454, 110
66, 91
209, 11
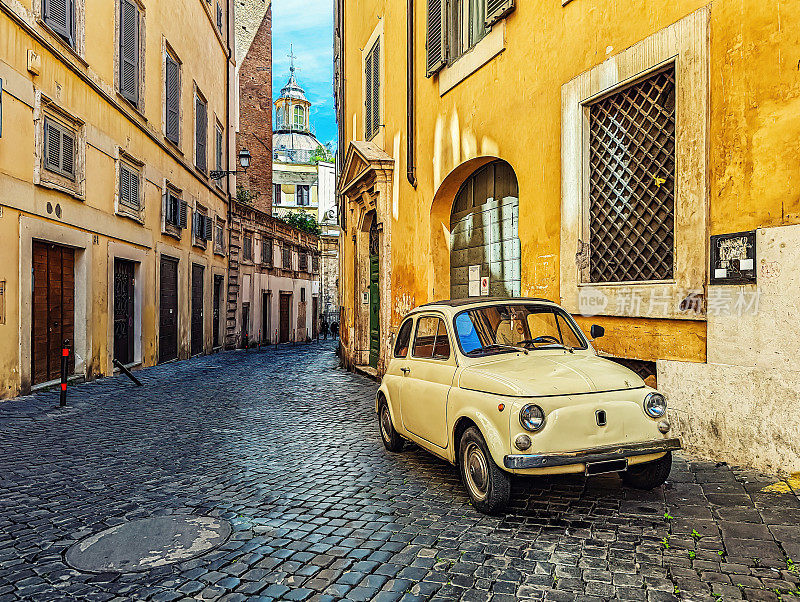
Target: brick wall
255, 116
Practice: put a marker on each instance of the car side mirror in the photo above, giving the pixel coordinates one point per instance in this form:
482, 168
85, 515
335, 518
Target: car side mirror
597, 331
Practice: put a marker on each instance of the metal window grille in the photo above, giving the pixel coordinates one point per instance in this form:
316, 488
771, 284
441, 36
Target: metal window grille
632, 181
287, 258
247, 248
303, 262
315, 263
266, 251
219, 242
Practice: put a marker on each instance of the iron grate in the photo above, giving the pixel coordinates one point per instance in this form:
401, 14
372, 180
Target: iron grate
632, 181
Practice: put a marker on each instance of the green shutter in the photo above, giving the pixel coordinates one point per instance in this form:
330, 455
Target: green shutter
129, 51
435, 37
497, 9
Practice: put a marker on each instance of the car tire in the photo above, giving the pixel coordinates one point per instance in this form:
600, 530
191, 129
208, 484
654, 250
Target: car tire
488, 486
391, 440
650, 474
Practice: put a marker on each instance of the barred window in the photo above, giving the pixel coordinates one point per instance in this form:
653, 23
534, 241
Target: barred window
219, 237
287, 257
632, 181
247, 248
303, 261
315, 263
266, 251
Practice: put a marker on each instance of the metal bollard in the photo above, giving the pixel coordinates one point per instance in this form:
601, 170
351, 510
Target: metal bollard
64, 364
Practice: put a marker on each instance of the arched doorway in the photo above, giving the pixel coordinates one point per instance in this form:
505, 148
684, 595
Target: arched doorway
484, 234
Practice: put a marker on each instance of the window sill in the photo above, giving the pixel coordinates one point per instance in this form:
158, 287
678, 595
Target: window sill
127, 103
71, 50
138, 218
175, 146
484, 51
62, 188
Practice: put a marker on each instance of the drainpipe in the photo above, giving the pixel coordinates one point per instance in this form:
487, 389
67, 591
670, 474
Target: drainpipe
411, 166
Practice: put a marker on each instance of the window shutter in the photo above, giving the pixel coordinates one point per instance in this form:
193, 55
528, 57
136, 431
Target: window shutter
202, 127
209, 228
376, 88
368, 97
134, 194
52, 140
219, 16
219, 152
497, 9
181, 214
129, 51
435, 36
67, 153
59, 15
172, 100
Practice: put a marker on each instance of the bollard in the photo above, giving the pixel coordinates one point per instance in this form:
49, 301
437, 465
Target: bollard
64, 364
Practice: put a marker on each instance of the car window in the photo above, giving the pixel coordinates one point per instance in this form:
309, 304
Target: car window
403, 339
430, 340
502, 328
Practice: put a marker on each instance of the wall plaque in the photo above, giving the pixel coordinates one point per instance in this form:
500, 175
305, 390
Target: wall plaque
733, 258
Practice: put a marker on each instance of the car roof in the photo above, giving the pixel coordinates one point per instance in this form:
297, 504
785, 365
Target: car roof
452, 304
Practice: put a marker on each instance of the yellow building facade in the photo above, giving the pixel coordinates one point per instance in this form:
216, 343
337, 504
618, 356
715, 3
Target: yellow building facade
113, 115
587, 152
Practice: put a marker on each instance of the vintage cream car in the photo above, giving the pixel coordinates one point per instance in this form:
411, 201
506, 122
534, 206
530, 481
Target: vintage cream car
499, 386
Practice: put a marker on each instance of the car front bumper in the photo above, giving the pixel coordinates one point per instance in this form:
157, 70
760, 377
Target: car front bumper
593, 454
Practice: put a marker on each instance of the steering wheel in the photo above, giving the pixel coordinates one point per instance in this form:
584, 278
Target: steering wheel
546, 338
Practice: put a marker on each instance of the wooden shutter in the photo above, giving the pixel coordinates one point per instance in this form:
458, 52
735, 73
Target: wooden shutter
368, 67
435, 37
172, 100
202, 133
219, 153
209, 227
376, 87
68, 153
497, 9
219, 16
52, 146
129, 51
59, 15
181, 214
128, 187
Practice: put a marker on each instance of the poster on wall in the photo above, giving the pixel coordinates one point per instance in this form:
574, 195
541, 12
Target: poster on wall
733, 258
474, 280
485, 286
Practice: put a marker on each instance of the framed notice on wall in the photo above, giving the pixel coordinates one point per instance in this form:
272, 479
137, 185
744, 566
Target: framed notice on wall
733, 258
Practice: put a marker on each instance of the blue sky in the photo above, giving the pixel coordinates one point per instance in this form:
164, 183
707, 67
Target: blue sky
308, 26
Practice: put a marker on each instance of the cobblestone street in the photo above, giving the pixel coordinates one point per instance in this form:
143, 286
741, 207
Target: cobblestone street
284, 446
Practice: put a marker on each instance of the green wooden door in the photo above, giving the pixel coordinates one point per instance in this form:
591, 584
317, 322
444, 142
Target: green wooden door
374, 312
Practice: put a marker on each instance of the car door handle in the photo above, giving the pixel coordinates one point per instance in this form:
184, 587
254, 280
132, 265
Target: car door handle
405, 371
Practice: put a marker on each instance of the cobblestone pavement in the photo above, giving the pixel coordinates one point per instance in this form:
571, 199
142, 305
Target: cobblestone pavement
285, 446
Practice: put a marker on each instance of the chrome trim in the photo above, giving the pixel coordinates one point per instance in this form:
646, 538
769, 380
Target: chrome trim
593, 454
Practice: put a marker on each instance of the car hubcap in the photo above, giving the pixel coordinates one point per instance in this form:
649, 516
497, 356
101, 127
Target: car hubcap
476, 471
386, 423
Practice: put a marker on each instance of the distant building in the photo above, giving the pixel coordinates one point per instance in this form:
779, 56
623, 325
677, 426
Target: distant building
304, 181
273, 292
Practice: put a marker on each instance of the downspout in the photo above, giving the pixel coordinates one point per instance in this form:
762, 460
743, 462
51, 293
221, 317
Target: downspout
411, 165
231, 29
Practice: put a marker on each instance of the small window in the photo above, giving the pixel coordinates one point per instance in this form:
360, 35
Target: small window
315, 263
299, 117
219, 237
59, 15
303, 261
130, 179
303, 194
129, 23
220, 149
201, 135
59, 148
302, 295
175, 210
372, 79
201, 226
172, 110
247, 248
431, 340
287, 258
277, 194
266, 251
403, 339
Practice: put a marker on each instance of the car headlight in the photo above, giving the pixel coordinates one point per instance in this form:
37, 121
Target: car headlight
531, 417
655, 404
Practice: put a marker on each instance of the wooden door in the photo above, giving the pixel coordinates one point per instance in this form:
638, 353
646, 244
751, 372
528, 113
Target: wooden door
168, 312
53, 310
217, 302
374, 313
285, 306
266, 299
197, 309
123, 310
314, 318
246, 325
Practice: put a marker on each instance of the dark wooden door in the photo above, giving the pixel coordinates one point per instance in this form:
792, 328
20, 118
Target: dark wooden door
314, 317
123, 310
374, 313
266, 300
286, 301
197, 308
53, 310
217, 302
246, 325
168, 312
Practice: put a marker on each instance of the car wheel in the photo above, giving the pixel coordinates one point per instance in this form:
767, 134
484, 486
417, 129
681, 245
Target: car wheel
391, 440
650, 474
487, 485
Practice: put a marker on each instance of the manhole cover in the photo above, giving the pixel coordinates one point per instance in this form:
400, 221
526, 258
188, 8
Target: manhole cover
144, 544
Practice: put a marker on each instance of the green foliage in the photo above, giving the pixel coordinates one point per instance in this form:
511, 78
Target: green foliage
322, 153
302, 221
667, 516
245, 196
695, 535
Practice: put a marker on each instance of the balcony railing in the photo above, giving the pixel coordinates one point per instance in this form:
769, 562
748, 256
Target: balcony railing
292, 155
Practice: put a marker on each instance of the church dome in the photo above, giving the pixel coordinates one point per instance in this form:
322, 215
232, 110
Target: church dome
292, 139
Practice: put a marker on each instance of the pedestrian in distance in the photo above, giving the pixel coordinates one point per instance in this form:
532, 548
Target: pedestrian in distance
334, 330
324, 329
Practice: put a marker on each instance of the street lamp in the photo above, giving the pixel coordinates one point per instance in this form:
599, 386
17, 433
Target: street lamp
244, 161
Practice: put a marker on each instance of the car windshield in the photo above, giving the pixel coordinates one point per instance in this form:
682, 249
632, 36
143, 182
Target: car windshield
505, 328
